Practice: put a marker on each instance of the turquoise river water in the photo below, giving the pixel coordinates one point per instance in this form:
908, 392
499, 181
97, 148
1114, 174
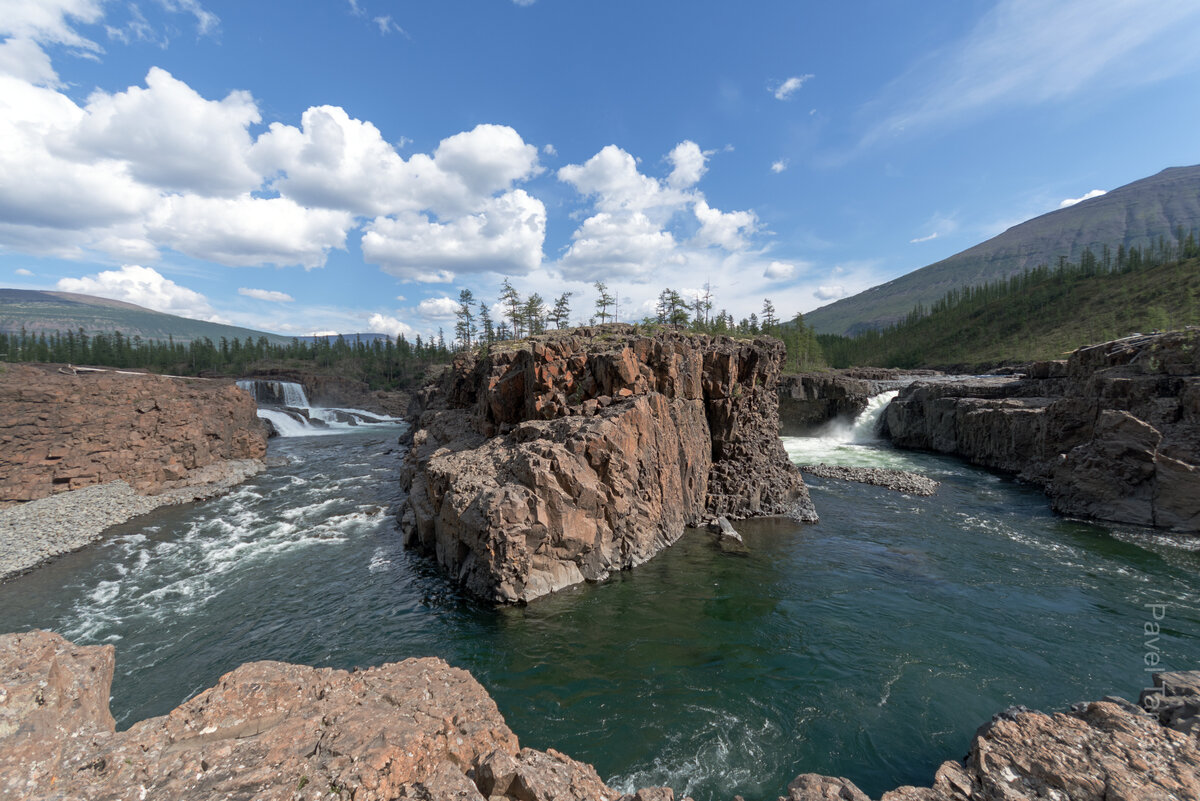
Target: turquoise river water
870, 645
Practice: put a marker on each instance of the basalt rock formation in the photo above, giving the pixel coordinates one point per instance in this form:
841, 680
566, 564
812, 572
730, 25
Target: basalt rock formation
563, 457
420, 729
1112, 433
60, 430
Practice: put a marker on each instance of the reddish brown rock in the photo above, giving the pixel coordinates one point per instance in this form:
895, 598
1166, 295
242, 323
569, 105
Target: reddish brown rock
268, 731
1112, 433
60, 431
1101, 751
567, 456
420, 729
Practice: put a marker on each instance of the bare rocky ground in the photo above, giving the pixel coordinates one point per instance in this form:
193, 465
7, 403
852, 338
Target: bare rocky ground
37, 531
899, 480
420, 729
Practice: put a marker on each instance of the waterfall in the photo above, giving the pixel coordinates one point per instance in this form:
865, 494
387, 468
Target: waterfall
276, 393
285, 405
856, 442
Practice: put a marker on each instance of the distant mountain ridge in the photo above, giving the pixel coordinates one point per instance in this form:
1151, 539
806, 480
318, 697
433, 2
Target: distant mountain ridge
46, 312
1134, 215
40, 312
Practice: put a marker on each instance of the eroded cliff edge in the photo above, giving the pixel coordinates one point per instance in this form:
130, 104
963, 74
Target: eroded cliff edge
1112, 432
62, 430
420, 729
566, 456
81, 451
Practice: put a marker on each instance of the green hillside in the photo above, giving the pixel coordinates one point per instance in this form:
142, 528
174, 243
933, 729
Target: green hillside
1136, 215
1042, 314
46, 312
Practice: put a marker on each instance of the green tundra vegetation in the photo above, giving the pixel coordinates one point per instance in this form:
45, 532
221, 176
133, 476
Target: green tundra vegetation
1043, 313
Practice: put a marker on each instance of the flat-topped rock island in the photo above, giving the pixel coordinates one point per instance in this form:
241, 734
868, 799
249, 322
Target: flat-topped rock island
563, 457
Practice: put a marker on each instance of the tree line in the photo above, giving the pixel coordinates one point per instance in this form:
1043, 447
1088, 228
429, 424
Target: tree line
475, 326
383, 363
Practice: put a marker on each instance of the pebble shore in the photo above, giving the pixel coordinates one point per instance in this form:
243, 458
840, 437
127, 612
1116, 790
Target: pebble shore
898, 480
36, 531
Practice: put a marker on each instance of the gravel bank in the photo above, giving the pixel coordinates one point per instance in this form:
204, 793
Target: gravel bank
33, 532
898, 480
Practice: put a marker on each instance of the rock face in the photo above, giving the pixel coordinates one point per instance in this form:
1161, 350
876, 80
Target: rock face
270, 731
420, 729
61, 431
807, 400
1112, 433
567, 456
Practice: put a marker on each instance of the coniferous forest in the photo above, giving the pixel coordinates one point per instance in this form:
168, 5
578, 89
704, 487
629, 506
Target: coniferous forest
1043, 313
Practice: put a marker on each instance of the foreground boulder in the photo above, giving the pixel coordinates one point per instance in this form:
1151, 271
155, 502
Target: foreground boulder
420, 729
270, 731
563, 457
62, 429
1112, 433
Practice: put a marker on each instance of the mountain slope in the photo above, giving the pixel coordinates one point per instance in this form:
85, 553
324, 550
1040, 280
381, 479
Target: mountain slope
1134, 215
39, 312
1044, 314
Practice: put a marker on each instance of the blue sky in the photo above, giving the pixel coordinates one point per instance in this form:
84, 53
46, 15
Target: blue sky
350, 165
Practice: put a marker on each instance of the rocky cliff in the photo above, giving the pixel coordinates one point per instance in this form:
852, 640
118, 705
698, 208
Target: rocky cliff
420, 729
60, 430
566, 456
1111, 433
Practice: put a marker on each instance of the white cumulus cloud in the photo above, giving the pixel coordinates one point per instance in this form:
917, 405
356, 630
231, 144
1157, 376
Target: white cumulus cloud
266, 294
789, 87
1071, 201
505, 236
385, 324
143, 286
831, 292
170, 137
248, 231
442, 308
23, 271
779, 166
689, 163
779, 270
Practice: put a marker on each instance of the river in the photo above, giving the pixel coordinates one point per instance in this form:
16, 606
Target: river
870, 645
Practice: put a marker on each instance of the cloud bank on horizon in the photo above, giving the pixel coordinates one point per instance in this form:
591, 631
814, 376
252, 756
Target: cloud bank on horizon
155, 191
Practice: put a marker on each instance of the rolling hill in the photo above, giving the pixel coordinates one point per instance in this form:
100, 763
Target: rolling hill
38, 312
46, 312
1134, 215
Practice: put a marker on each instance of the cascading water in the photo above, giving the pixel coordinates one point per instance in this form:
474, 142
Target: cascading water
286, 406
853, 443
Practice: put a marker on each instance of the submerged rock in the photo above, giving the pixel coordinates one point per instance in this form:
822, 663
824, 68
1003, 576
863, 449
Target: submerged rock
1112, 433
563, 457
728, 539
